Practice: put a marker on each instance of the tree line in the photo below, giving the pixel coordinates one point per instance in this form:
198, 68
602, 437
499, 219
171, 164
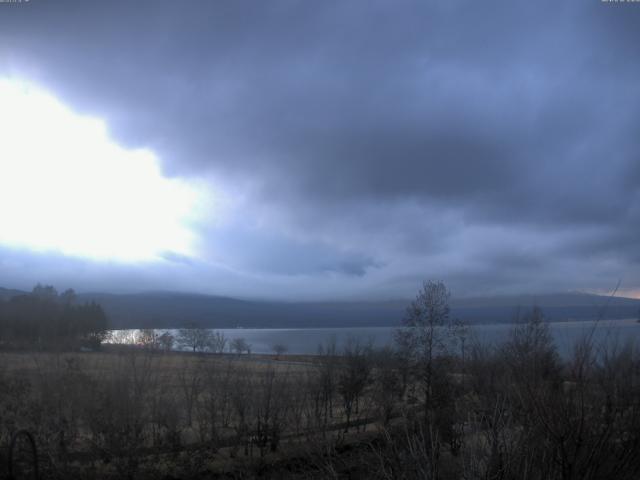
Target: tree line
44, 318
193, 339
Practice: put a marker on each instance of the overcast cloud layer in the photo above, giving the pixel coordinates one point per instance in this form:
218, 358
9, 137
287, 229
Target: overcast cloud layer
356, 148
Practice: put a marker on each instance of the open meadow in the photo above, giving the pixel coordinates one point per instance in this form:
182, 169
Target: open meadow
419, 410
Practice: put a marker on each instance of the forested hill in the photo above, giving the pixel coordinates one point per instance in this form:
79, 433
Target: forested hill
167, 310
7, 293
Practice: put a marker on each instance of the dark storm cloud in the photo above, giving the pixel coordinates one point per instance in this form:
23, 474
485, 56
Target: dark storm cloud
374, 140
271, 253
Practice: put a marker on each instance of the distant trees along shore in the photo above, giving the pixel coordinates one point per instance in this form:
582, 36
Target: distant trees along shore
46, 318
196, 340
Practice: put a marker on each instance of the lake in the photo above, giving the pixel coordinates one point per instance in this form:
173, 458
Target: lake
306, 340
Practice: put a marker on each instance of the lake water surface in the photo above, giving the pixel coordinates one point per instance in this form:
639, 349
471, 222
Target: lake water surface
307, 340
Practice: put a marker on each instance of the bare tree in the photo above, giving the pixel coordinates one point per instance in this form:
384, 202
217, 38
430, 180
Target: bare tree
427, 335
190, 379
387, 383
240, 345
530, 350
217, 402
279, 349
327, 378
428, 332
124, 337
353, 377
195, 339
166, 341
148, 338
217, 342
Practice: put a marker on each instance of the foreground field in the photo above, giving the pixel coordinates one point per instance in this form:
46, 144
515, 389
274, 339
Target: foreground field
415, 412
137, 413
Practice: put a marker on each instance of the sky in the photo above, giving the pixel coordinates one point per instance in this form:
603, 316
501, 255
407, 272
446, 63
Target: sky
320, 150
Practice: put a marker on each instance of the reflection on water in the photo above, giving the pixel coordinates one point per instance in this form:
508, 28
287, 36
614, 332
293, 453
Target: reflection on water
306, 341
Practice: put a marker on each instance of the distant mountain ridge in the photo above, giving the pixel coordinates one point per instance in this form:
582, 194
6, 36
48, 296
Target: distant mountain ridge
174, 310
575, 299
6, 293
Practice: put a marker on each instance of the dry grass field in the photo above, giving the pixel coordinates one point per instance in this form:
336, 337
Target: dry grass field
133, 412
513, 411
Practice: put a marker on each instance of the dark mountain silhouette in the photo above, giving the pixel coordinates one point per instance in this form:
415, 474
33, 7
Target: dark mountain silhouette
7, 293
174, 310
165, 310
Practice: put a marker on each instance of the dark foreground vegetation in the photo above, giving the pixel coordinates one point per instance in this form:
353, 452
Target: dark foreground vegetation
437, 406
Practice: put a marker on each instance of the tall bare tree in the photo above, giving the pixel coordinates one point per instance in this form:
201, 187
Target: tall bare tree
428, 332
427, 335
218, 342
196, 339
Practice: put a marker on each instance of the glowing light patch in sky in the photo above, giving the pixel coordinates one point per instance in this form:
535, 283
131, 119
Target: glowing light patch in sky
65, 186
